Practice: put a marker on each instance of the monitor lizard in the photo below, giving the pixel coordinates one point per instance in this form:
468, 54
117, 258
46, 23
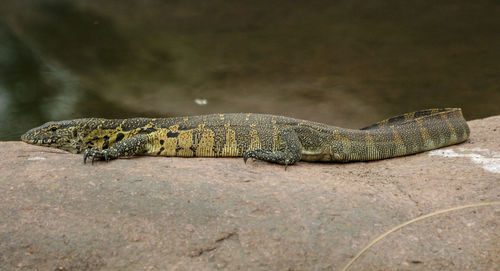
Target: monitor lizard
270, 138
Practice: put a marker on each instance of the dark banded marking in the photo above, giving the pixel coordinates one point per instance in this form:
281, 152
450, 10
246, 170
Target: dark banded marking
119, 137
172, 134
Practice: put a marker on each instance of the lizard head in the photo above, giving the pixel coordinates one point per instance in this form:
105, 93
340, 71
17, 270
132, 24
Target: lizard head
58, 134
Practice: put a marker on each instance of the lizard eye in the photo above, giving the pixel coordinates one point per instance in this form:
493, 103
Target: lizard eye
53, 129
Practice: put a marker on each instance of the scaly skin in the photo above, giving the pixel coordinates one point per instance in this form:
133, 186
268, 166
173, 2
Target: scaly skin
265, 137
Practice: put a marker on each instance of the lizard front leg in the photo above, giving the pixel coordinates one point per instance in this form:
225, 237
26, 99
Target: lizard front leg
128, 147
288, 154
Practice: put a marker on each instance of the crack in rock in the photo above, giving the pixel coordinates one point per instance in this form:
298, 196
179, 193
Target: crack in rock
201, 251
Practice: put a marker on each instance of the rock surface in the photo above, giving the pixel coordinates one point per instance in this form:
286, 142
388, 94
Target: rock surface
159, 213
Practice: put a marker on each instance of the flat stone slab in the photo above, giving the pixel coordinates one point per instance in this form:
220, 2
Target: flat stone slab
159, 213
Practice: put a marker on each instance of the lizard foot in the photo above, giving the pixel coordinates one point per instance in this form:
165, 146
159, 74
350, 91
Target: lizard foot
278, 157
95, 154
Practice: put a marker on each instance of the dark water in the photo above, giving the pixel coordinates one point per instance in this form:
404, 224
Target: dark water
347, 63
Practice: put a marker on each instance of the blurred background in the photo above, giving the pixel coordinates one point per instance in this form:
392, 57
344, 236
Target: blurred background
347, 63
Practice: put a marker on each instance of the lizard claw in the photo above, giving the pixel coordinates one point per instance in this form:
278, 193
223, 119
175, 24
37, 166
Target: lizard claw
247, 155
96, 154
85, 155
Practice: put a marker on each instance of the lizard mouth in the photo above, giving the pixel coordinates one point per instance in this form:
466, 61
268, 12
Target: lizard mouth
32, 139
33, 136
26, 138
30, 136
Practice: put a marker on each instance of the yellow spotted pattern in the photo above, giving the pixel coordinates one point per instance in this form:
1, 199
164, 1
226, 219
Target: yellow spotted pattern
231, 146
398, 141
428, 143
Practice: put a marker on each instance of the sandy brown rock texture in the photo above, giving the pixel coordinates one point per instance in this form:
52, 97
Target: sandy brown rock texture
158, 213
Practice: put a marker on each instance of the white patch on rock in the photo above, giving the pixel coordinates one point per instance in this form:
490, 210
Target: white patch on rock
487, 159
36, 158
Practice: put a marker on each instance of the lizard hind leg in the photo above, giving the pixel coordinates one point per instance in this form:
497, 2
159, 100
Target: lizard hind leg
288, 154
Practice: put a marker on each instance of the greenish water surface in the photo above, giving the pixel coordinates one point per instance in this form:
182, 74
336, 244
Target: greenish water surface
346, 63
